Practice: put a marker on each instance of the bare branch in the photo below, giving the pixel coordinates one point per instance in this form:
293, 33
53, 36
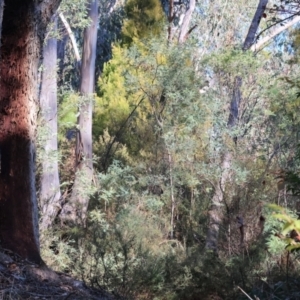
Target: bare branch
262, 43
71, 35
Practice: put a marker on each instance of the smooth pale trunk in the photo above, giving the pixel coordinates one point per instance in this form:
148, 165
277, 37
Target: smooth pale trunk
184, 30
76, 209
50, 187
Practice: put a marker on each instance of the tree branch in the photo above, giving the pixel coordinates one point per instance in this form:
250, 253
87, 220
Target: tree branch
71, 35
276, 23
260, 44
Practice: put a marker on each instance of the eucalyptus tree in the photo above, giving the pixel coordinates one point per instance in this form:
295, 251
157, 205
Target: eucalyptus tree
215, 212
49, 189
76, 209
73, 19
23, 29
49, 179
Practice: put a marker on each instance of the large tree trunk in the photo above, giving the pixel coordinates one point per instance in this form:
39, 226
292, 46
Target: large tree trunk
50, 187
23, 28
76, 209
215, 215
1, 16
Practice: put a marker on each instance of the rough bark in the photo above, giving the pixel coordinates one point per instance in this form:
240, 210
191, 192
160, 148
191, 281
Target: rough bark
23, 27
76, 209
215, 215
1, 16
50, 186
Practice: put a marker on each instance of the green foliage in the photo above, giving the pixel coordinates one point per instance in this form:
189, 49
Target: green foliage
144, 18
59, 253
67, 116
289, 224
75, 12
232, 62
125, 115
160, 133
112, 107
272, 227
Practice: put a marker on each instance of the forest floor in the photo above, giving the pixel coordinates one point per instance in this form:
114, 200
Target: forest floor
20, 279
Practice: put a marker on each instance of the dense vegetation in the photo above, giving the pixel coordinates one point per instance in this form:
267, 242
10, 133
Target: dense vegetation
167, 158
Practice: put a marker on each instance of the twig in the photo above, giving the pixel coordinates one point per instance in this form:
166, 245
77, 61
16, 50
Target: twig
244, 293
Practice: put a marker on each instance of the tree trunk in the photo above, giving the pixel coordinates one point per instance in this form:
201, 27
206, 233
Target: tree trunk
1, 17
71, 36
250, 38
174, 12
184, 30
50, 187
76, 209
23, 28
215, 215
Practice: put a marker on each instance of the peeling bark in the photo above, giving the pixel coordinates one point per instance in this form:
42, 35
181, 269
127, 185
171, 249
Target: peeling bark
50, 187
1, 17
23, 28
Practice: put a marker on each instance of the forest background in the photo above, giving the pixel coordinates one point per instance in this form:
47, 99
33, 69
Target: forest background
168, 147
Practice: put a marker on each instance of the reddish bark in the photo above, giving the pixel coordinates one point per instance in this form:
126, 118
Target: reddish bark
23, 28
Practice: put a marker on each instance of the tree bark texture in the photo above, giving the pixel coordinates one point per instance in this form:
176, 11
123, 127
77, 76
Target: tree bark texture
50, 186
1, 17
23, 27
215, 215
76, 209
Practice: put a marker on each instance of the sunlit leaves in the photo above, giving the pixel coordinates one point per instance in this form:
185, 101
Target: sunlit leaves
144, 18
290, 229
